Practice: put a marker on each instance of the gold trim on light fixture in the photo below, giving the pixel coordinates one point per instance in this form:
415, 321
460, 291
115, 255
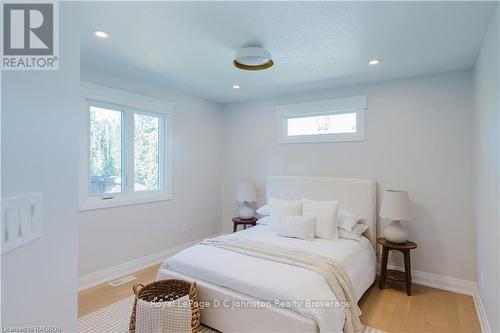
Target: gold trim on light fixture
266, 65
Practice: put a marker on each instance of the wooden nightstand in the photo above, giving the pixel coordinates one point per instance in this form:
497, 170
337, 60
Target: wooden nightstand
237, 221
391, 274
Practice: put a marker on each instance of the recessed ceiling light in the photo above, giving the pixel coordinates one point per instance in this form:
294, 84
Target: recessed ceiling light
253, 58
236, 86
374, 62
101, 34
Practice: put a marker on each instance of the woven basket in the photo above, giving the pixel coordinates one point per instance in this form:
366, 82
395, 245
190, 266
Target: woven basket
168, 290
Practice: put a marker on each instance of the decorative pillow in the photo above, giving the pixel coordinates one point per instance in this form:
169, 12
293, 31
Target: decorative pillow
264, 220
169, 316
325, 214
298, 227
264, 210
281, 208
347, 220
355, 233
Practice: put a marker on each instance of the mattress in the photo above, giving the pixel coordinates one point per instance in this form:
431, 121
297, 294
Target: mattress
287, 286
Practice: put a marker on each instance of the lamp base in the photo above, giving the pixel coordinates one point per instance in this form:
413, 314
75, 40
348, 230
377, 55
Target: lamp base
246, 212
394, 233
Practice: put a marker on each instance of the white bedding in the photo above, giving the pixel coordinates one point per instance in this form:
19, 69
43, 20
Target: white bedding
271, 281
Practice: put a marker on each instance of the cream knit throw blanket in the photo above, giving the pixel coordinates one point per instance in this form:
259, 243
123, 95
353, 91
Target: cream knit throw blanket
333, 273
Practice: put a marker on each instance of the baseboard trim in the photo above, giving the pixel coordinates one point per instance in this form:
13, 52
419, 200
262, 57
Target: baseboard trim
443, 282
481, 313
115, 272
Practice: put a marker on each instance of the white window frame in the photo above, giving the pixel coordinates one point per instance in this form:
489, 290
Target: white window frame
354, 104
96, 95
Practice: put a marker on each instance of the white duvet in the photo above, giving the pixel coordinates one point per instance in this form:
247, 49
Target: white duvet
272, 281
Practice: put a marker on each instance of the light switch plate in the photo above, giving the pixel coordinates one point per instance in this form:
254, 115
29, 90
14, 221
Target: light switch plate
21, 220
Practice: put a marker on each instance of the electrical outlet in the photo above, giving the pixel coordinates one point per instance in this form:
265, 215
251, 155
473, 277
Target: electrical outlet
184, 228
481, 280
392, 258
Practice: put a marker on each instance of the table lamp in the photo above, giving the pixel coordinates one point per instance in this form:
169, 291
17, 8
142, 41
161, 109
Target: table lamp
246, 194
396, 207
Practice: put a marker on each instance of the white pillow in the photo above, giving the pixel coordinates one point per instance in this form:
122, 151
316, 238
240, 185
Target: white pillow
281, 208
325, 214
264, 220
297, 226
264, 210
355, 233
347, 220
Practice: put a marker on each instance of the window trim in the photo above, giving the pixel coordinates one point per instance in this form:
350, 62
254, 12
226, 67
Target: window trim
93, 94
354, 104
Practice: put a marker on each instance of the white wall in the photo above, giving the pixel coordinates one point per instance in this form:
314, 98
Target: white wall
487, 176
40, 122
418, 138
114, 236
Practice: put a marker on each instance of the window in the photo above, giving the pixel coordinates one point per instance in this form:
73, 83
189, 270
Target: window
147, 152
323, 121
105, 150
125, 149
324, 124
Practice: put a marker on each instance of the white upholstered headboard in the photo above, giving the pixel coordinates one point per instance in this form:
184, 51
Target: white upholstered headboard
356, 195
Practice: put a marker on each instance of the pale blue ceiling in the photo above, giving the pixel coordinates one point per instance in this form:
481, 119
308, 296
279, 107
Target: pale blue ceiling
317, 45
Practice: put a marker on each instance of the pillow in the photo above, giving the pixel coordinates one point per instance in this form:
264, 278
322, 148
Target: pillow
298, 227
264, 210
355, 234
347, 220
264, 220
281, 208
325, 213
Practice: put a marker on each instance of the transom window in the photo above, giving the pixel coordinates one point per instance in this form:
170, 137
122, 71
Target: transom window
323, 124
322, 121
125, 154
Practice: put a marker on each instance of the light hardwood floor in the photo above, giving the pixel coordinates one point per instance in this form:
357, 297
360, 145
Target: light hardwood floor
93, 299
427, 310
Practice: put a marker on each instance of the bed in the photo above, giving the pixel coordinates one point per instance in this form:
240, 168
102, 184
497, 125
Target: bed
240, 293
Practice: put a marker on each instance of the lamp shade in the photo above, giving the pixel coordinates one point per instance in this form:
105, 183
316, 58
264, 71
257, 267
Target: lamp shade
395, 205
246, 192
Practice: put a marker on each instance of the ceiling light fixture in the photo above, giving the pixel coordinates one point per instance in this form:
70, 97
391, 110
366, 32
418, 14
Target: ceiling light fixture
253, 58
374, 62
100, 34
236, 86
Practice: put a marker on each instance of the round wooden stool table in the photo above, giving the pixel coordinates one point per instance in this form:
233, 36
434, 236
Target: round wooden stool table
239, 221
391, 274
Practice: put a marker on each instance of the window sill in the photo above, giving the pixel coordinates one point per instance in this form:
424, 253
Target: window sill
93, 203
